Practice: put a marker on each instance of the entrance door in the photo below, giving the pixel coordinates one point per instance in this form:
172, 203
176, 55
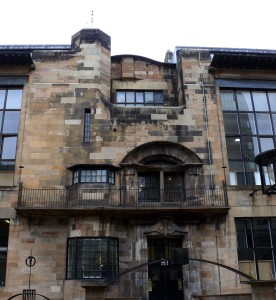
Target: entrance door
165, 281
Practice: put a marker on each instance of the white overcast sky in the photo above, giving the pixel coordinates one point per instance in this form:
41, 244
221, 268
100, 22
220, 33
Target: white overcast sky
143, 27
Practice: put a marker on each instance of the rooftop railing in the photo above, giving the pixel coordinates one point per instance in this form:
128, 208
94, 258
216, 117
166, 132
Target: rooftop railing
121, 198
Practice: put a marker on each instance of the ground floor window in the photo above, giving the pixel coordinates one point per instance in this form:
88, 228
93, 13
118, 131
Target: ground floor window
256, 239
4, 235
92, 257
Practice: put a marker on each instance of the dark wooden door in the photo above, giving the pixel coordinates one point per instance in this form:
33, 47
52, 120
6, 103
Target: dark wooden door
165, 280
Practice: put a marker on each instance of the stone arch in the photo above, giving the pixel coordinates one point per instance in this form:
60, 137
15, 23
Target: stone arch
161, 150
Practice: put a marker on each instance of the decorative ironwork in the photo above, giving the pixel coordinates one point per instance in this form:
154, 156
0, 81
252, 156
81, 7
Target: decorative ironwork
267, 165
29, 294
123, 198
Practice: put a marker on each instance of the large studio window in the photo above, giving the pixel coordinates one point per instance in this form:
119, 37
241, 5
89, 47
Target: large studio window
10, 106
250, 127
92, 257
139, 98
256, 238
4, 235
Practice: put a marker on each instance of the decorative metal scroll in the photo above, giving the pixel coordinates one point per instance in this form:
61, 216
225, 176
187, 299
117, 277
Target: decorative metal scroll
29, 294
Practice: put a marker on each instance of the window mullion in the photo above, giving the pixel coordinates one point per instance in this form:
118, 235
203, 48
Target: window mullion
271, 243
254, 249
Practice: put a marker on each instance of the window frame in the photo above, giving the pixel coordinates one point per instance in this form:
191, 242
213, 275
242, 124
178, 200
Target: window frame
252, 252
8, 164
78, 175
86, 125
249, 174
105, 253
140, 98
4, 227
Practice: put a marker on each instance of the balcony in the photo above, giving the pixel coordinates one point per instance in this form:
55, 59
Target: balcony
122, 201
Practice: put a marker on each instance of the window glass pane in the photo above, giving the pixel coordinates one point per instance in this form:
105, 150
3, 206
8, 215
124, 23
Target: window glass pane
253, 176
247, 123
266, 144
130, 97
7, 165
158, 98
244, 235
274, 122
261, 233
149, 97
11, 121
269, 175
139, 97
2, 98
14, 99
245, 242
260, 101
250, 147
1, 115
75, 176
236, 172
264, 123
9, 147
227, 101
272, 101
273, 231
120, 97
231, 123
244, 101
233, 147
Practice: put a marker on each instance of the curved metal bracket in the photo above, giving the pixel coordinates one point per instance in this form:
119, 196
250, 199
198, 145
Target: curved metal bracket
24, 298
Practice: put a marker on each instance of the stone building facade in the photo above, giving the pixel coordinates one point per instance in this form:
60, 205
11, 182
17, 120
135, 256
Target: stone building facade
109, 165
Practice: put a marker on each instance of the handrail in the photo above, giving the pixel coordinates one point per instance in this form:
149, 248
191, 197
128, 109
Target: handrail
121, 197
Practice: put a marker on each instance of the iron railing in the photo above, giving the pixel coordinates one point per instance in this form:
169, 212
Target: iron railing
124, 198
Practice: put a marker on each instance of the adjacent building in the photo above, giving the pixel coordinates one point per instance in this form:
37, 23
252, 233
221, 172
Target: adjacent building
109, 165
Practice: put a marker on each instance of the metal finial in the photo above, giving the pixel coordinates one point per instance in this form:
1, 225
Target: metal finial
92, 14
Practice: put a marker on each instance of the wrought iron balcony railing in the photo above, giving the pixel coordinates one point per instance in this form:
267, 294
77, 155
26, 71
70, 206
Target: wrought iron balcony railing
121, 198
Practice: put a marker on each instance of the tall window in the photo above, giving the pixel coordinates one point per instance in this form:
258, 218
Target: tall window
250, 128
10, 106
92, 257
87, 117
4, 235
256, 239
161, 186
139, 98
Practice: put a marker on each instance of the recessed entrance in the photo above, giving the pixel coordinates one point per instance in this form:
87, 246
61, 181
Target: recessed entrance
165, 280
